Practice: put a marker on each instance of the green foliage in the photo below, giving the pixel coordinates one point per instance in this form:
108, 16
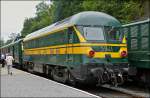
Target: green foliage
66, 8
8, 41
124, 10
12, 37
1, 42
43, 18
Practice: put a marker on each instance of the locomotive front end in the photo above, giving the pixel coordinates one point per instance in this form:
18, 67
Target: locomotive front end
105, 55
106, 58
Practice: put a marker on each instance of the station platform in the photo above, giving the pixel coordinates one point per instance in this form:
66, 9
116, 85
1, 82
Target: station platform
23, 84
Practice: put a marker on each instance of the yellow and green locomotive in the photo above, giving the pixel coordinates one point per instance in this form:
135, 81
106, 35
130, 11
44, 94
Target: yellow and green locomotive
87, 47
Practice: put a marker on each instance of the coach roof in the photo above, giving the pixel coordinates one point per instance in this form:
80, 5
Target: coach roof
83, 18
136, 23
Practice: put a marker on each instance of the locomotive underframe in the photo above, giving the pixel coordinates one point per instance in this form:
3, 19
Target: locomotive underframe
104, 73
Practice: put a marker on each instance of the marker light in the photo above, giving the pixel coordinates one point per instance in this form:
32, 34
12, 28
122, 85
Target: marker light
91, 53
123, 53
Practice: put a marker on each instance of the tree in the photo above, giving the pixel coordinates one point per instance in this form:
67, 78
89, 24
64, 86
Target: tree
42, 19
124, 10
66, 8
27, 26
1, 42
12, 37
8, 41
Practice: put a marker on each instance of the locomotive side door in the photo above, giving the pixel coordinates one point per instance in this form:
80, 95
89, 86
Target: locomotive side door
69, 48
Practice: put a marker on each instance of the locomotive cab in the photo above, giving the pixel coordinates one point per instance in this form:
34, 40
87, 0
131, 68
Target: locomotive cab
106, 55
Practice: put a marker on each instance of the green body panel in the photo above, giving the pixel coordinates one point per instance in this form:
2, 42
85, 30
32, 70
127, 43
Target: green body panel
18, 52
138, 35
58, 38
60, 60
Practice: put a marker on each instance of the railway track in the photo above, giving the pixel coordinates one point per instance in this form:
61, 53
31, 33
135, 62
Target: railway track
107, 91
132, 90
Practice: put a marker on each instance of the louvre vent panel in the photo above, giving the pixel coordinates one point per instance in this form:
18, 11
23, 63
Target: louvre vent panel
144, 43
144, 30
134, 31
134, 44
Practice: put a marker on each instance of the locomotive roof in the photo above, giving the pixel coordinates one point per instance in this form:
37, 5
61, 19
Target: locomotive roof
94, 18
83, 18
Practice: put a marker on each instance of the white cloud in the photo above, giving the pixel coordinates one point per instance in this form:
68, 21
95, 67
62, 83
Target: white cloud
13, 14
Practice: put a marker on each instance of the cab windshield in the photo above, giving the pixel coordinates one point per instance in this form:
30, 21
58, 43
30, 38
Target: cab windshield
101, 33
113, 34
93, 33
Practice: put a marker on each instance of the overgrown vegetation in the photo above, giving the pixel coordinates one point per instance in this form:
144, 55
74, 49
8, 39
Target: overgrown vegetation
123, 10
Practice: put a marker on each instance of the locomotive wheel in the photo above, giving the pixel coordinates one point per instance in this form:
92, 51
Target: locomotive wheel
50, 74
71, 80
59, 76
31, 67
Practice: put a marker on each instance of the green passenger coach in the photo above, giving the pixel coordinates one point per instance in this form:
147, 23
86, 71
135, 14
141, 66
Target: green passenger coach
138, 35
87, 47
17, 54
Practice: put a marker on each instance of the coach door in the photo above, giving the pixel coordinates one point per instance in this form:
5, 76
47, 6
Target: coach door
70, 39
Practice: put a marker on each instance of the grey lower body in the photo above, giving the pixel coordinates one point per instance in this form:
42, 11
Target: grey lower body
9, 68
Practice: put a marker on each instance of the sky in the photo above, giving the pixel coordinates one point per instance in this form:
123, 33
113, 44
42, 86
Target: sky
13, 14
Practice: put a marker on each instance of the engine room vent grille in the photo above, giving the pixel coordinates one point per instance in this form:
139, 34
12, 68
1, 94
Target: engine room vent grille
144, 43
144, 30
134, 31
134, 44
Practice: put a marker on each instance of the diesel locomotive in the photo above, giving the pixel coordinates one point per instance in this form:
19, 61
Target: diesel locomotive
88, 47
